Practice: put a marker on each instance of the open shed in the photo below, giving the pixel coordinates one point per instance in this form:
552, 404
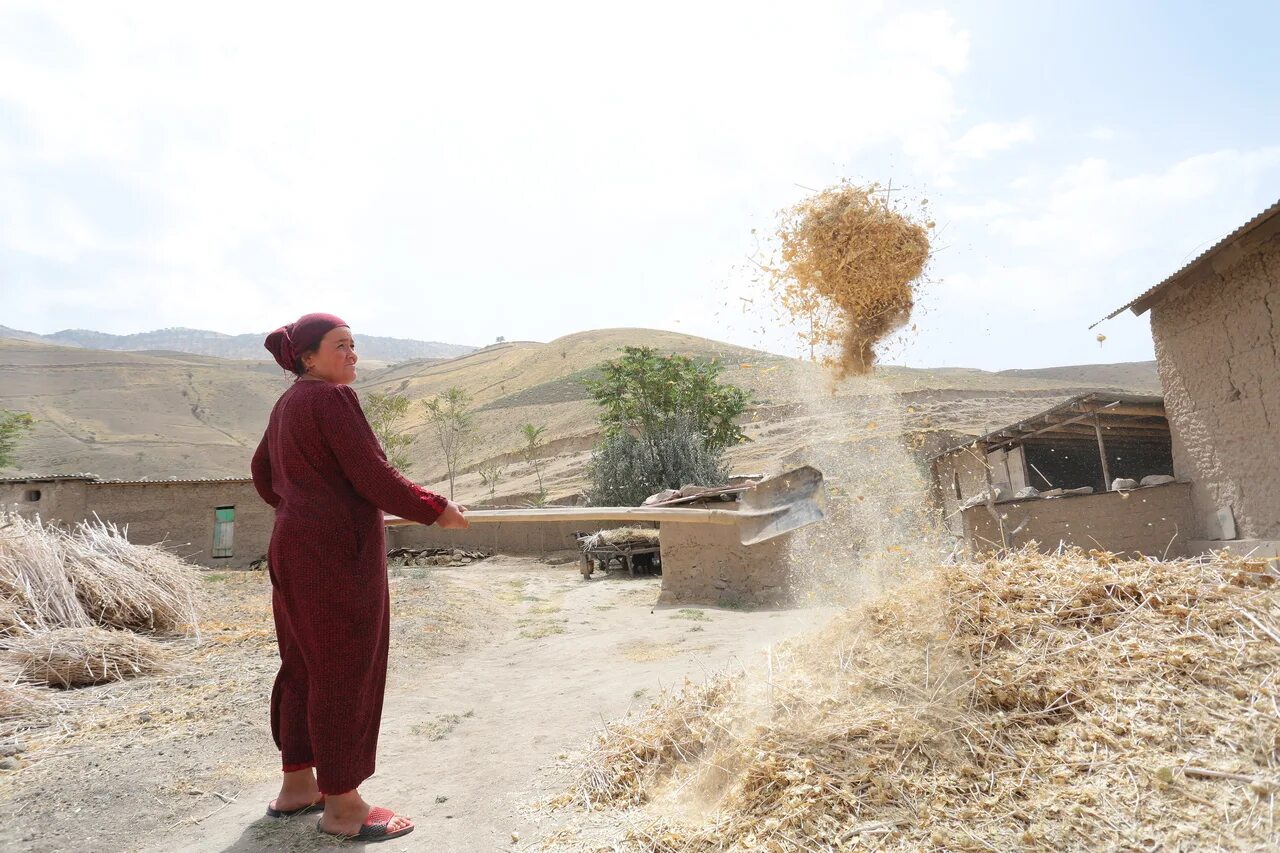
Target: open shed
995, 490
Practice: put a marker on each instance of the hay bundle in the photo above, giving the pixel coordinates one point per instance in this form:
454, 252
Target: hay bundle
12, 622
123, 585
847, 260
50, 578
77, 657
1064, 702
620, 535
19, 700
33, 575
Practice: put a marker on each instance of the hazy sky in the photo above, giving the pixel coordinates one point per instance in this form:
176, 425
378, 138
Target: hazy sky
461, 171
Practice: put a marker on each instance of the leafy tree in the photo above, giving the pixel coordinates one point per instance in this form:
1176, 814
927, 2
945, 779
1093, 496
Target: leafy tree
534, 444
449, 416
13, 426
491, 475
387, 414
642, 390
667, 421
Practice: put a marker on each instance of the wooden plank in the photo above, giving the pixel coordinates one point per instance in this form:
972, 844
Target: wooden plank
692, 515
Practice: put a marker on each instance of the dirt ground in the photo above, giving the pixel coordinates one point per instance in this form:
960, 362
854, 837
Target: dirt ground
500, 672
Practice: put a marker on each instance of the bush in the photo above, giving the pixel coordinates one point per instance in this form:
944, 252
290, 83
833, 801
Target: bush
626, 468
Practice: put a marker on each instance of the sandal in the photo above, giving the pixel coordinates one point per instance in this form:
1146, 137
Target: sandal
317, 806
374, 827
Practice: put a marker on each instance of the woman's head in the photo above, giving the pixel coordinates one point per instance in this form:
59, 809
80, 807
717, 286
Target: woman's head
317, 345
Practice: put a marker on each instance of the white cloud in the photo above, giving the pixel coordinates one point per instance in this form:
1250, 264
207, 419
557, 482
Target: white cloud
1103, 216
983, 140
410, 157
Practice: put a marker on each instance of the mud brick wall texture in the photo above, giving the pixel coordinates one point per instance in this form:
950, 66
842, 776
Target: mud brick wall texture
1155, 521
707, 564
1217, 345
179, 515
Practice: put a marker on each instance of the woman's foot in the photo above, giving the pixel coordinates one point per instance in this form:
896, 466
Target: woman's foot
297, 791
346, 814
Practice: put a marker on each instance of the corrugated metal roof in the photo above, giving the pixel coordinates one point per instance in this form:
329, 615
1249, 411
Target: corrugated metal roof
1143, 303
94, 479
47, 478
1101, 397
170, 481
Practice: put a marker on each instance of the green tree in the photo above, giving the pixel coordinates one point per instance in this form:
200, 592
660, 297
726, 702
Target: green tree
643, 390
387, 414
534, 444
490, 476
13, 427
667, 421
449, 416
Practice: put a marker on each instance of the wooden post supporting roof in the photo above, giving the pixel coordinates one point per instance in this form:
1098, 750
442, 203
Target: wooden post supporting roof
1102, 451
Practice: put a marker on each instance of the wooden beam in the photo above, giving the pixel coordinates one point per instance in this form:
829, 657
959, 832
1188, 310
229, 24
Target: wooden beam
1102, 453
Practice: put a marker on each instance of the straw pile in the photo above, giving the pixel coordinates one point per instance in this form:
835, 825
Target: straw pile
18, 700
92, 575
78, 657
123, 585
847, 260
1065, 702
620, 535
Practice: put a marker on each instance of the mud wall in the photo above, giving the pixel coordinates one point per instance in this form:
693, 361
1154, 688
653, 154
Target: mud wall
1216, 347
1154, 521
59, 502
707, 564
526, 537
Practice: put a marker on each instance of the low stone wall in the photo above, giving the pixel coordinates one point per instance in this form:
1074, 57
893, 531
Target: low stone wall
707, 564
1154, 521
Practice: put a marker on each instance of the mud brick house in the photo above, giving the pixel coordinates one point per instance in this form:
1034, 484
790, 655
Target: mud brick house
1216, 325
211, 522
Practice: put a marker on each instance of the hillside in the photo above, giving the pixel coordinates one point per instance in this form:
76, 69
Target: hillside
204, 342
171, 414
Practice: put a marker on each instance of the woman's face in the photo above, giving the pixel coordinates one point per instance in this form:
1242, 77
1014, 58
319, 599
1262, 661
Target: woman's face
335, 360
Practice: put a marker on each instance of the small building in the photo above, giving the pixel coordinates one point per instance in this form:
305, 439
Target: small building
1051, 479
220, 523
1216, 325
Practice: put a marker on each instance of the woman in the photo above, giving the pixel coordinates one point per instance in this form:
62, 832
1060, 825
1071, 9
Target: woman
321, 467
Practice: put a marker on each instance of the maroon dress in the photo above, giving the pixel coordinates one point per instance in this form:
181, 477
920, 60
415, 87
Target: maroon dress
321, 467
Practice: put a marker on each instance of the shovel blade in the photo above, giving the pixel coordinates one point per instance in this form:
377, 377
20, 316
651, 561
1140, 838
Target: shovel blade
782, 504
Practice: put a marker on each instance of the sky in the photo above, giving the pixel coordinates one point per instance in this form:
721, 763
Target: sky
458, 172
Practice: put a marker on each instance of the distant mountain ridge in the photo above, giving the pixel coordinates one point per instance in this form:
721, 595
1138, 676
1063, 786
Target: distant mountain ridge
205, 342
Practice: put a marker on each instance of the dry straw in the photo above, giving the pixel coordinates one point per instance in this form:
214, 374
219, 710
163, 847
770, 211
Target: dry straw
1037, 702
620, 535
51, 578
123, 585
78, 657
33, 575
846, 264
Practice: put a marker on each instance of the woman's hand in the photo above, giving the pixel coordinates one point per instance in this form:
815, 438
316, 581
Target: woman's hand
452, 518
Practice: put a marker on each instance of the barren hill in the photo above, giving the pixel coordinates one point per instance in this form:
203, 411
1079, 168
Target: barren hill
172, 414
205, 342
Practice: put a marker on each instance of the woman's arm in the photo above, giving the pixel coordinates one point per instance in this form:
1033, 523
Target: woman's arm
343, 424
261, 470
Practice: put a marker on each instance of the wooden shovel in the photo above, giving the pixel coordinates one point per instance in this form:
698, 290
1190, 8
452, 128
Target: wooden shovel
768, 509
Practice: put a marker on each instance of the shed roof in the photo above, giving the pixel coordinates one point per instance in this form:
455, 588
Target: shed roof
170, 481
1263, 225
47, 478
95, 480
1119, 415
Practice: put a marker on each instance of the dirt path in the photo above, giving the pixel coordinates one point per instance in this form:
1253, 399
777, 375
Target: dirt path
470, 741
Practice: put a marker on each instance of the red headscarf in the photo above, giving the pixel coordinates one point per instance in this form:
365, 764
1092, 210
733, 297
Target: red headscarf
288, 342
